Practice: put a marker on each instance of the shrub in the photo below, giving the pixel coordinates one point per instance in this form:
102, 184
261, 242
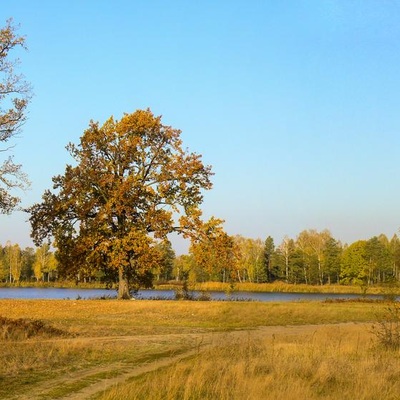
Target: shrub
183, 293
20, 329
387, 328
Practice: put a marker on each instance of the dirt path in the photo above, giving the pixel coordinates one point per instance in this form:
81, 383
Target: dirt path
89, 382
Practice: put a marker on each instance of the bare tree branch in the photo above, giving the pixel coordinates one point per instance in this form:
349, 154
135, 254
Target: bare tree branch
15, 95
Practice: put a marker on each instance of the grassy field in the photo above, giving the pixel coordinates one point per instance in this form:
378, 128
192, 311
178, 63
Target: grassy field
193, 350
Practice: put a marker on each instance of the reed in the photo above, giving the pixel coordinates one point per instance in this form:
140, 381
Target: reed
282, 287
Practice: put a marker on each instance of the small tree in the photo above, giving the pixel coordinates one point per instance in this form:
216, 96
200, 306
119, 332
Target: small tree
332, 260
354, 267
183, 266
28, 258
13, 262
285, 252
387, 327
45, 263
269, 252
166, 260
132, 183
16, 263
215, 252
15, 94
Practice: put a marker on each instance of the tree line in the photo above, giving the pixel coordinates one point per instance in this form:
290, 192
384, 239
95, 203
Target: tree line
313, 257
28, 264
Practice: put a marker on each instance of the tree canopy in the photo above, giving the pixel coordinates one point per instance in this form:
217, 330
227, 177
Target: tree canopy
132, 184
15, 94
215, 252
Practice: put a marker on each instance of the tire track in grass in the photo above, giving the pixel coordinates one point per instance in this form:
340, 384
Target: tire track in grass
103, 385
86, 378
85, 384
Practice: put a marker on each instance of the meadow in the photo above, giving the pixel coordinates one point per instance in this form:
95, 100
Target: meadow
109, 349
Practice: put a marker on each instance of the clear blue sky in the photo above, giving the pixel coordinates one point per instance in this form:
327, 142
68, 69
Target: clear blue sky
295, 104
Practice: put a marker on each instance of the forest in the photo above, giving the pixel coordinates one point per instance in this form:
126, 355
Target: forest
313, 257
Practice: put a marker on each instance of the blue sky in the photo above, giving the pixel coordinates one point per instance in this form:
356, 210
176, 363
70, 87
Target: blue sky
295, 104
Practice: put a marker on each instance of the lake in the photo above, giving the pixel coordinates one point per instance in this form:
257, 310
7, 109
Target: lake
73, 294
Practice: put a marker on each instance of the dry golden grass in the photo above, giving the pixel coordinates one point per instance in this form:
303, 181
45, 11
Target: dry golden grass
40, 368
112, 317
113, 337
291, 288
329, 363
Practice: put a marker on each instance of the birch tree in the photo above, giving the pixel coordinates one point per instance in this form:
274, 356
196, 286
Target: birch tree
15, 94
13, 261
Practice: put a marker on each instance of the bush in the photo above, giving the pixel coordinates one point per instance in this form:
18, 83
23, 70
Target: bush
21, 329
387, 328
204, 296
183, 293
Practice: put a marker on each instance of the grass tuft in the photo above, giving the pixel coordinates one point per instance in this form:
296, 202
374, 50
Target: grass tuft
21, 329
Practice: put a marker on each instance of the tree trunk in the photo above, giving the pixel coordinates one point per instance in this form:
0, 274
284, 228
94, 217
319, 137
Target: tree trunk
123, 286
287, 269
305, 275
320, 273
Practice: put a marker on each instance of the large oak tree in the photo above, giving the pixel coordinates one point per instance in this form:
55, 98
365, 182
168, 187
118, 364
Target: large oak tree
132, 185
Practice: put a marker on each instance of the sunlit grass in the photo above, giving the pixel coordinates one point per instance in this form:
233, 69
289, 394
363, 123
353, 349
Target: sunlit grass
26, 364
282, 287
107, 337
112, 317
338, 363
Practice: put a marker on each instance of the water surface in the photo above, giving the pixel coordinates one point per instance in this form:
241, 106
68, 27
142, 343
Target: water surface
73, 294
